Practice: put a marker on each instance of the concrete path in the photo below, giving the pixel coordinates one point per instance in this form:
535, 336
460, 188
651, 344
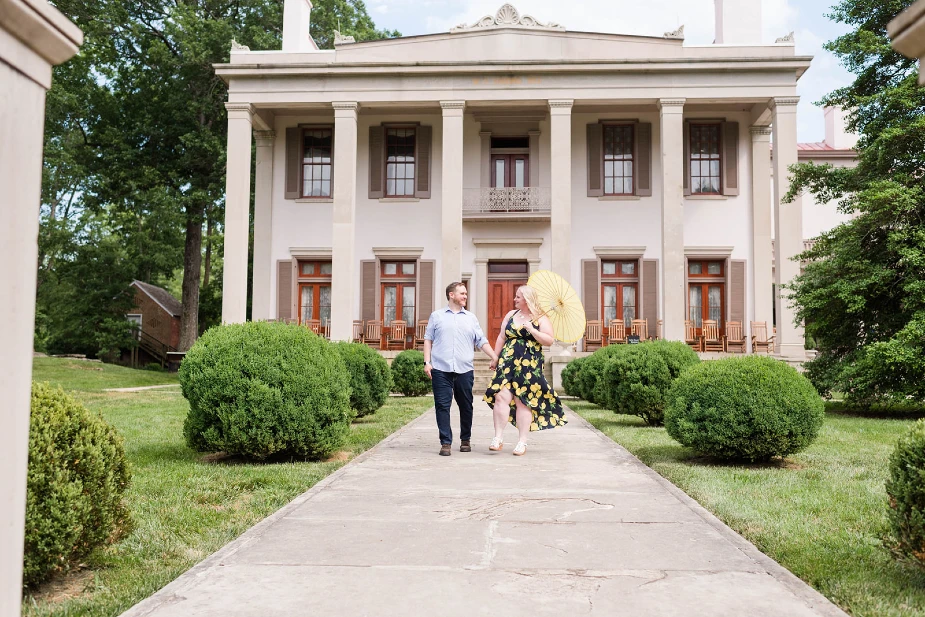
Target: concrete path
578, 526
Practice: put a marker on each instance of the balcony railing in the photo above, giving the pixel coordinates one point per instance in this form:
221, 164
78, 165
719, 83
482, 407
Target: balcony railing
511, 202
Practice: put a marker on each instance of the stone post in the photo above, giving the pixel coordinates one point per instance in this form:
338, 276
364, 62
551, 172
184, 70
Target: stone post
788, 227
33, 38
237, 212
343, 266
263, 226
761, 270
451, 161
671, 129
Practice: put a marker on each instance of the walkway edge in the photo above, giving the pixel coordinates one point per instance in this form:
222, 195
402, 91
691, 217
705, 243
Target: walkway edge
797, 586
173, 590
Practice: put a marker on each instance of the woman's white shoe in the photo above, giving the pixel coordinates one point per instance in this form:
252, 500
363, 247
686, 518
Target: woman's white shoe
496, 444
520, 449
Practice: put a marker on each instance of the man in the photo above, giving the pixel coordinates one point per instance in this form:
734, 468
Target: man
449, 342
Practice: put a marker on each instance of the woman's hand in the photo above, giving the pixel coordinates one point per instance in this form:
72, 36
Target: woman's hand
493, 364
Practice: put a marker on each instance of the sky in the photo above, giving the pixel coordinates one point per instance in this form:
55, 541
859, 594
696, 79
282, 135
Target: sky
805, 18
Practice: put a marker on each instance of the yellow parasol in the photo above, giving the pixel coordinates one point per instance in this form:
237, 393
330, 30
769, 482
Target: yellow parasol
560, 303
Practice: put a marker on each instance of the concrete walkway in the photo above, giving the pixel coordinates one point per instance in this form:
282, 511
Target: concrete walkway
578, 526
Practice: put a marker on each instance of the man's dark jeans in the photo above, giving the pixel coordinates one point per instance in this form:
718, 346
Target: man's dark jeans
446, 385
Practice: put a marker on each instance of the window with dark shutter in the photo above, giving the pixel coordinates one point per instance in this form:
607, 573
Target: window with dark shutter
619, 172
376, 151
423, 161
595, 156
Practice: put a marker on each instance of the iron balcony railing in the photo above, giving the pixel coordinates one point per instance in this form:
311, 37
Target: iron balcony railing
501, 201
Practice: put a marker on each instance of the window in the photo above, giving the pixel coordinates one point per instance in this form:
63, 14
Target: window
619, 287
315, 291
399, 162
317, 144
618, 159
398, 291
706, 291
705, 159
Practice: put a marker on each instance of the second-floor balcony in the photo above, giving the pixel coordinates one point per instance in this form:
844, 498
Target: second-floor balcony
516, 204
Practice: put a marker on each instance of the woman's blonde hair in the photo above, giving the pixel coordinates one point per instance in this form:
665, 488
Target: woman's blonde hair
533, 303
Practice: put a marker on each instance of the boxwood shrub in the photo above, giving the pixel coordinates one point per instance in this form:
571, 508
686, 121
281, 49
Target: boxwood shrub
750, 408
77, 477
636, 380
589, 377
408, 374
570, 376
260, 389
905, 489
370, 377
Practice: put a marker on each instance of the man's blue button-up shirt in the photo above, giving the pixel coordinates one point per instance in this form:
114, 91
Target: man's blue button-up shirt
454, 337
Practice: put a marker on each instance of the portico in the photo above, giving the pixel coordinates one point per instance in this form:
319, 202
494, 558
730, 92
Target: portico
563, 147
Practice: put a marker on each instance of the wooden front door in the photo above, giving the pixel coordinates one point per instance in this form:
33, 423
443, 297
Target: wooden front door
500, 301
510, 170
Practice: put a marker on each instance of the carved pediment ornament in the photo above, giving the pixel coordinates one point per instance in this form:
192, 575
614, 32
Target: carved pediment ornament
340, 39
785, 39
676, 34
507, 17
235, 46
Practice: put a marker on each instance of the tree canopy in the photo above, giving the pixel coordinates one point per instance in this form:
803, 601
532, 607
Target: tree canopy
862, 292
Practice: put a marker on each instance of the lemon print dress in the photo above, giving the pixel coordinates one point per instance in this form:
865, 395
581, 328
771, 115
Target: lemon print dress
520, 369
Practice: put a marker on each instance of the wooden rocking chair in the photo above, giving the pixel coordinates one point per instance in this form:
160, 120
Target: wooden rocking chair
640, 328
373, 334
690, 335
397, 331
735, 338
357, 336
760, 339
616, 332
419, 335
712, 341
593, 335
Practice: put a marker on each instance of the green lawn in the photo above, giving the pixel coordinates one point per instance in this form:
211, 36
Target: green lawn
183, 507
820, 513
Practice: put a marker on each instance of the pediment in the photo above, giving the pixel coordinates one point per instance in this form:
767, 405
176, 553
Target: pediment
510, 43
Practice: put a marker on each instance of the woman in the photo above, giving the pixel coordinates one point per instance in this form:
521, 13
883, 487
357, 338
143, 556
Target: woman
519, 392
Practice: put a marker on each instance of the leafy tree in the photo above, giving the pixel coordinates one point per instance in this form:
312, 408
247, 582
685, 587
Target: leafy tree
136, 130
862, 294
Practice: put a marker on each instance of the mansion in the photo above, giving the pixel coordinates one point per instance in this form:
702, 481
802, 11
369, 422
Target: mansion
637, 167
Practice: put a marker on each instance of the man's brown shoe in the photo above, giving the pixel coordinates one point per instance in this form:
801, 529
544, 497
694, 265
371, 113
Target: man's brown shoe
465, 447
445, 450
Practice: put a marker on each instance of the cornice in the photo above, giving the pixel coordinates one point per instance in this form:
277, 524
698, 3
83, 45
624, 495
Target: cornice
619, 251
264, 138
561, 103
507, 17
239, 107
785, 101
759, 130
345, 105
408, 251
453, 104
671, 103
708, 251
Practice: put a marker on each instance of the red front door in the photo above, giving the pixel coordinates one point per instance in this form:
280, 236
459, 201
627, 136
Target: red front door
500, 301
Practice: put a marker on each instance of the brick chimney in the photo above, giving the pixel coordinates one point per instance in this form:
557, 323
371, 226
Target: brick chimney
738, 22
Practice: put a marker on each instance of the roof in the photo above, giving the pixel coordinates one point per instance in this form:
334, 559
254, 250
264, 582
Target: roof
162, 297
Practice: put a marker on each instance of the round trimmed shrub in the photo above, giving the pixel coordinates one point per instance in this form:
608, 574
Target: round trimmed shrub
408, 376
570, 375
589, 377
751, 408
905, 489
260, 389
370, 377
77, 477
636, 380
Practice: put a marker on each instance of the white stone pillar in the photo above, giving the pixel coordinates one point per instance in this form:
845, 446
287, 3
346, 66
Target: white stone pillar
788, 226
560, 186
485, 155
344, 266
671, 145
761, 270
534, 157
48, 38
481, 285
451, 161
263, 226
237, 212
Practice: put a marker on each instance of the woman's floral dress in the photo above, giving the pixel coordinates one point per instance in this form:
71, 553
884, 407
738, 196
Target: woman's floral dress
520, 369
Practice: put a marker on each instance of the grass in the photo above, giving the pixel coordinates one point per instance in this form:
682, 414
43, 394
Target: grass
87, 376
183, 507
820, 513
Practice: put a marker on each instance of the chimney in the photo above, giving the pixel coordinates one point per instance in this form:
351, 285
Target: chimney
738, 22
835, 133
297, 18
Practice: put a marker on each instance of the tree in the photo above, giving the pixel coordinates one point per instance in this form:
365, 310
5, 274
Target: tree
143, 137
862, 293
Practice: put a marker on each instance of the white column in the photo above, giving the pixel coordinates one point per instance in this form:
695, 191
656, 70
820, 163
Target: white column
761, 271
344, 266
481, 285
671, 145
25, 75
263, 226
237, 212
451, 161
788, 226
534, 157
560, 183
485, 144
